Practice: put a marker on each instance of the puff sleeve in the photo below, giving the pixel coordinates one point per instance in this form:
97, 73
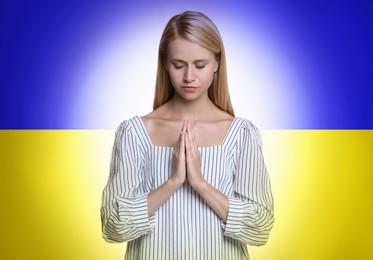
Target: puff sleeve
124, 210
250, 210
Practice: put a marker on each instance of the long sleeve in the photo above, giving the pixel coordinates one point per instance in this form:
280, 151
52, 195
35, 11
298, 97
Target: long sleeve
250, 212
124, 211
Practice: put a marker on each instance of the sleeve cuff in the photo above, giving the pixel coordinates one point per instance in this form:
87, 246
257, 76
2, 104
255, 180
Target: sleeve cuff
134, 211
232, 227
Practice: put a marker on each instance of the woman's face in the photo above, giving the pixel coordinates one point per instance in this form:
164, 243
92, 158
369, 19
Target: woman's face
191, 68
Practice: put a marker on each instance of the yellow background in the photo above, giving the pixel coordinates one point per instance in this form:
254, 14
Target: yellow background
51, 184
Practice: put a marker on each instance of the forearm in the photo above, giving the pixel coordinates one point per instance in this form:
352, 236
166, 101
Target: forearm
217, 200
158, 196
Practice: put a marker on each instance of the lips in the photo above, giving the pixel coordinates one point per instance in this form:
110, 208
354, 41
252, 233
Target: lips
189, 88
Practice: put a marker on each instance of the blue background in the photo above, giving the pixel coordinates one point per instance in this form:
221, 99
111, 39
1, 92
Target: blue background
43, 41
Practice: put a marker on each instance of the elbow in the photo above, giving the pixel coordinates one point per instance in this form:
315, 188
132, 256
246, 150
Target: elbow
112, 236
255, 237
115, 232
252, 235
112, 239
118, 230
257, 233
251, 225
258, 239
118, 236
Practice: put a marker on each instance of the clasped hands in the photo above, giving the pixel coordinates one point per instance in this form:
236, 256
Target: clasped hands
186, 158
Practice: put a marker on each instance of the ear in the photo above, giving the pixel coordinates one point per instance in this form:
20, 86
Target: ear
217, 63
216, 66
165, 66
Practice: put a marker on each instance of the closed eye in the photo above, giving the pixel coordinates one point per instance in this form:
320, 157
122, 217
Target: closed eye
200, 66
176, 66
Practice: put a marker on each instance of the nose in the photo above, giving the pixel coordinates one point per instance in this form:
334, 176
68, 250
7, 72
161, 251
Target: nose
189, 74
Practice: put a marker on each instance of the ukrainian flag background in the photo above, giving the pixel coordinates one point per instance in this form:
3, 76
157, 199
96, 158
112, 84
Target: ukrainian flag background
71, 72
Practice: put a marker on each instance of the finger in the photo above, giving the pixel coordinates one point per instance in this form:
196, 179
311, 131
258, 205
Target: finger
188, 140
192, 141
179, 141
184, 128
182, 141
193, 136
186, 132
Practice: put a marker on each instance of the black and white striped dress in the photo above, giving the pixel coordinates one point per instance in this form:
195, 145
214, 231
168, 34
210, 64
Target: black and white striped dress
185, 227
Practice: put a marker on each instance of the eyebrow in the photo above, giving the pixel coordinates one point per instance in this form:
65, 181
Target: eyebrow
196, 61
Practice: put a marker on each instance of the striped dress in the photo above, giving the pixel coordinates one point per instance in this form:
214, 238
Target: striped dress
185, 227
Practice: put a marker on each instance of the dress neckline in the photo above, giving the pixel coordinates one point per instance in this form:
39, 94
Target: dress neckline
150, 142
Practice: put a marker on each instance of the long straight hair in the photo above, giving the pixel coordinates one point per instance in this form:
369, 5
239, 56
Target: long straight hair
197, 28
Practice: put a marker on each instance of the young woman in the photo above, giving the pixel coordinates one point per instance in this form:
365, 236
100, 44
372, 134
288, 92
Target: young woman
188, 180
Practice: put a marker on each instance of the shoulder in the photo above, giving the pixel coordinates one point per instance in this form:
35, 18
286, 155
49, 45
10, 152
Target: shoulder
246, 124
130, 135
248, 130
131, 127
127, 124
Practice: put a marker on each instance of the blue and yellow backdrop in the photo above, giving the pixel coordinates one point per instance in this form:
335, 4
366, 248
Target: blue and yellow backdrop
71, 71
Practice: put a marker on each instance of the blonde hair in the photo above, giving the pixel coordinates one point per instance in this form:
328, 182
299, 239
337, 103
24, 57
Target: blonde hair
197, 28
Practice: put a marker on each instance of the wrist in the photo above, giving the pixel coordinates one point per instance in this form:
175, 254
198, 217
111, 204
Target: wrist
175, 182
199, 184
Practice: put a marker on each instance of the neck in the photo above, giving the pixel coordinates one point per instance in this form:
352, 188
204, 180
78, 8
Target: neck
192, 110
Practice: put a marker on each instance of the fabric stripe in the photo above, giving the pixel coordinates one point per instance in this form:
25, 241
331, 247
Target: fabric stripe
185, 227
